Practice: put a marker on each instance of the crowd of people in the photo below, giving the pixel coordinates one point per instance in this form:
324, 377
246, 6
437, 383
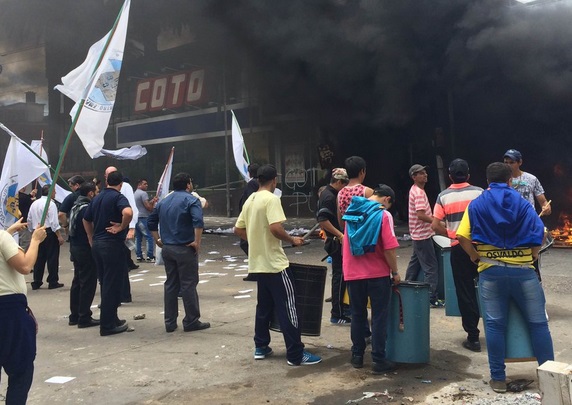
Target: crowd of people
495, 236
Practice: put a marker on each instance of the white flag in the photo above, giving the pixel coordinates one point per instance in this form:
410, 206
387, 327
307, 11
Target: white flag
238, 149
97, 84
20, 168
46, 177
165, 180
132, 153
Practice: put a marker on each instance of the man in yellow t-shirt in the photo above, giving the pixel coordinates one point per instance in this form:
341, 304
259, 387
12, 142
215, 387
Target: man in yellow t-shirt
260, 223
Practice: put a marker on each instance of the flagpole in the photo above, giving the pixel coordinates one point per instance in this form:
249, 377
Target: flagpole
227, 172
77, 113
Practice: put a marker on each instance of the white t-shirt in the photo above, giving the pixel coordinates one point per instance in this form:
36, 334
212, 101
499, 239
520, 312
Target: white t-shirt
11, 282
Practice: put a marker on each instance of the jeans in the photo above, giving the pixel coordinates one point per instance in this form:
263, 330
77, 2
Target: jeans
424, 258
379, 292
142, 230
497, 286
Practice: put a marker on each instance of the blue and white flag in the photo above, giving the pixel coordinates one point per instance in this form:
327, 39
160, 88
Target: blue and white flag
46, 177
239, 149
165, 180
97, 85
20, 168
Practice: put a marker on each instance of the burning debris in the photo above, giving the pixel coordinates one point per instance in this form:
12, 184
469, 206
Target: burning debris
563, 234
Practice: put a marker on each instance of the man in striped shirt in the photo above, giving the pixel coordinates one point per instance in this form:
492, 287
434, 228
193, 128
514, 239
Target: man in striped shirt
449, 208
420, 220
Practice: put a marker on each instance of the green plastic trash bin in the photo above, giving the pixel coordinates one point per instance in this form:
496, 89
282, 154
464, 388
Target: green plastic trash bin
408, 328
443, 251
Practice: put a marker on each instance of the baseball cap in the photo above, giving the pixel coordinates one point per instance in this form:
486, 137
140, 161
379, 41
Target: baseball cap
459, 168
383, 190
513, 154
339, 173
266, 172
416, 168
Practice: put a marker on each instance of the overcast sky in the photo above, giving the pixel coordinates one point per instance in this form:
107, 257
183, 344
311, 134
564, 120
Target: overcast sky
23, 69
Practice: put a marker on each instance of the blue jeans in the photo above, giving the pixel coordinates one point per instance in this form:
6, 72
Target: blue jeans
379, 292
142, 230
497, 286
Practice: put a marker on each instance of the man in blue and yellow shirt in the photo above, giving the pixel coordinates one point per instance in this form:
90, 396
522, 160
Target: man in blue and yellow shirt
507, 235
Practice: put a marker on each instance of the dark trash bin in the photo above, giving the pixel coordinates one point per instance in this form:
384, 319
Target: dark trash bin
309, 282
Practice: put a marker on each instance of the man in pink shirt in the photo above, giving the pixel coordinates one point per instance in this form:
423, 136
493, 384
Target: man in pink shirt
420, 219
368, 271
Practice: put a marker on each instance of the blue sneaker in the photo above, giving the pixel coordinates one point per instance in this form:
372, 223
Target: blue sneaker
260, 353
343, 320
307, 359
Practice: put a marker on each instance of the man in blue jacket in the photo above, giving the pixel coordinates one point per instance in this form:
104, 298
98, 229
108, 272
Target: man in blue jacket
507, 234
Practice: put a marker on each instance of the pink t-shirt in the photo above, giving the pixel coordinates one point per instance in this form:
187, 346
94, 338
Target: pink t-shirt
370, 265
418, 201
345, 196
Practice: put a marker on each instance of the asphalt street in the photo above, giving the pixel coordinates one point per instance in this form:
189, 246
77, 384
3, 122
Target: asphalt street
216, 366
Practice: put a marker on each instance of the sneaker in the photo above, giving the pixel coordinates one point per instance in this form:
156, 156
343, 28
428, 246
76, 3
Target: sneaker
260, 353
383, 366
343, 320
140, 259
150, 260
498, 386
437, 303
472, 346
307, 359
357, 361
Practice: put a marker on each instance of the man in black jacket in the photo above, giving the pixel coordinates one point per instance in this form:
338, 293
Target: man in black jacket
328, 219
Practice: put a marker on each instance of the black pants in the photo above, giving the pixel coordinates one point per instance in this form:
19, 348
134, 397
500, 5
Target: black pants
244, 246
17, 346
48, 252
276, 292
464, 274
109, 258
182, 269
338, 283
125, 284
83, 285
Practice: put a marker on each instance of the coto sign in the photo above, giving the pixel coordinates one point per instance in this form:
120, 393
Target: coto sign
170, 91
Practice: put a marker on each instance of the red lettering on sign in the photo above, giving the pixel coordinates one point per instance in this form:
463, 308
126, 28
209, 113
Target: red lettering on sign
168, 92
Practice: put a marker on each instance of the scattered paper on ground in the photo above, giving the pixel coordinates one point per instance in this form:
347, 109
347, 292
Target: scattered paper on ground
59, 380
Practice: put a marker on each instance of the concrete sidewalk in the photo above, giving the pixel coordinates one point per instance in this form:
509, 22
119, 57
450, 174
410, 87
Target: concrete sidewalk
216, 366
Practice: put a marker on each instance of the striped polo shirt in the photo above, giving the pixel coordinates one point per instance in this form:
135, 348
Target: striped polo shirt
418, 201
451, 204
